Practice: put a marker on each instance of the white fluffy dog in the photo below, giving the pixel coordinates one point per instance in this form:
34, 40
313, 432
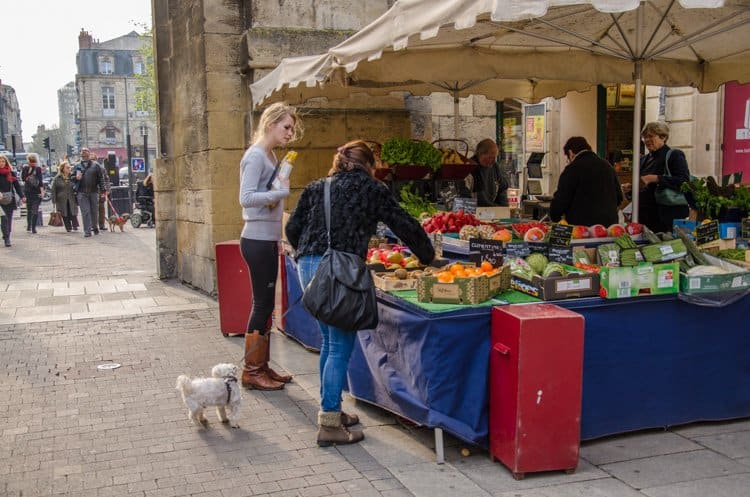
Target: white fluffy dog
222, 391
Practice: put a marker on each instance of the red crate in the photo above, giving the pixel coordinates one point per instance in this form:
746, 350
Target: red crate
233, 285
536, 371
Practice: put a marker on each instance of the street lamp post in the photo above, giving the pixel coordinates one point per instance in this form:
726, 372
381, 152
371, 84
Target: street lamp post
127, 145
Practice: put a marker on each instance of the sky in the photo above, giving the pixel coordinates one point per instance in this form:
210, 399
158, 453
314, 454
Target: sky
40, 42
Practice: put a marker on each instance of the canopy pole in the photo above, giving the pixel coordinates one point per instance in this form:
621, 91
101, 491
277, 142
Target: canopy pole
455, 114
636, 180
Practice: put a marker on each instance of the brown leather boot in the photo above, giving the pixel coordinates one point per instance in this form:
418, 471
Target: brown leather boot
253, 374
284, 378
332, 432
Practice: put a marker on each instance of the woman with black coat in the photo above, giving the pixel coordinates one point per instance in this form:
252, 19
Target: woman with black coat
358, 202
8, 185
657, 217
33, 186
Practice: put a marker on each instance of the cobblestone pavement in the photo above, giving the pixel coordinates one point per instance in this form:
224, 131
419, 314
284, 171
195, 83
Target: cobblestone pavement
69, 304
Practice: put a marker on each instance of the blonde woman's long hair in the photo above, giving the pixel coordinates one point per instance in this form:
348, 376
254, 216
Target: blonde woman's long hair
275, 113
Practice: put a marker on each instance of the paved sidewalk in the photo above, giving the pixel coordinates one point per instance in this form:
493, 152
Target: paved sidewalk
69, 304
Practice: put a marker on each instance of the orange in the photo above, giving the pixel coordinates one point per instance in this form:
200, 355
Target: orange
486, 266
456, 267
445, 277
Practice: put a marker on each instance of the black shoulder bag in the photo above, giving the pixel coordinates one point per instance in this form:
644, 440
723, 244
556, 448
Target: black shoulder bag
341, 292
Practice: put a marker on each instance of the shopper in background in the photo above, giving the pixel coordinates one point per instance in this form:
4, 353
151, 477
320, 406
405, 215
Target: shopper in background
103, 197
8, 184
658, 218
489, 183
588, 191
262, 209
358, 202
63, 196
88, 177
33, 186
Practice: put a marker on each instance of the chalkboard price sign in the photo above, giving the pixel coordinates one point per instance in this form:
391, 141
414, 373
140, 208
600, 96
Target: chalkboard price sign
705, 233
561, 254
465, 204
560, 235
489, 250
517, 249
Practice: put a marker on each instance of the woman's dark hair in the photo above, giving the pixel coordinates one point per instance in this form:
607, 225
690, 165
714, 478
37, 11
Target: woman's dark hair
576, 144
353, 155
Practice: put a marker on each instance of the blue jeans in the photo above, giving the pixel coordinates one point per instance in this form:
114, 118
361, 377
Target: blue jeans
335, 349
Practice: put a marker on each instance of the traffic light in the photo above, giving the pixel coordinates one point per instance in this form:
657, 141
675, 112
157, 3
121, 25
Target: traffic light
46, 143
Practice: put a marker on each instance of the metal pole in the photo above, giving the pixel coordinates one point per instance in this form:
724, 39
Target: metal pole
127, 145
145, 151
635, 185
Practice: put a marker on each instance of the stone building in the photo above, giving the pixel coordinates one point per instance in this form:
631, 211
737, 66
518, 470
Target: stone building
10, 119
67, 108
106, 85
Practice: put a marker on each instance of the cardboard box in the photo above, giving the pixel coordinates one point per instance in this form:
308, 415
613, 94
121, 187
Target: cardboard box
492, 213
573, 285
385, 282
737, 279
728, 231
500, 282
644, 279
461, 291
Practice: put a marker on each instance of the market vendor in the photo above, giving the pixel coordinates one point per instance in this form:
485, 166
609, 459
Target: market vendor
588, 191
487, 180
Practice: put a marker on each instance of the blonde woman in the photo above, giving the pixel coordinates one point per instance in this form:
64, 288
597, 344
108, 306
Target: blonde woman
64, 198
9, 186
262, 209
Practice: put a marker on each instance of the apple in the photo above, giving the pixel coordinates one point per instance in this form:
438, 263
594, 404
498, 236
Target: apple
598, 231
580, 232
394, 257
615, 230
634, 228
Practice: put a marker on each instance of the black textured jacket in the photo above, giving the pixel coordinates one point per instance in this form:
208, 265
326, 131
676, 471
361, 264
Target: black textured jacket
358, 202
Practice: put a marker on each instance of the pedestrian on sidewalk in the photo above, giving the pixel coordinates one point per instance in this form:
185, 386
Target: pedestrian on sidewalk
88, 183
103, 196
262, 209
358, 203
33, 186
9, 187
64, 198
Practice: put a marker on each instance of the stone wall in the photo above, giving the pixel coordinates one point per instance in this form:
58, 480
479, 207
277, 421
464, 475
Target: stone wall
207, 53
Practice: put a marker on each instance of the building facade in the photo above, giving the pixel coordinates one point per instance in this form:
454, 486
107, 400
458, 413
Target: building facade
106, 85
10, 119
67, 106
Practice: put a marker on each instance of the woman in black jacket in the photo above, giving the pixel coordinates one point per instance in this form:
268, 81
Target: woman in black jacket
8, 184
33, 186
655, 216
358, 202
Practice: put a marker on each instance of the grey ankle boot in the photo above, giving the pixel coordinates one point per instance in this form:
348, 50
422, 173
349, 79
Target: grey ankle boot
332, 432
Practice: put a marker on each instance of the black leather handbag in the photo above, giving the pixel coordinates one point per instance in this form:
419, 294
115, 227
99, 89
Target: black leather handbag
341, 292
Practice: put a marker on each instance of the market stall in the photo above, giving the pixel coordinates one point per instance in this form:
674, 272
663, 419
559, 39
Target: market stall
648, 362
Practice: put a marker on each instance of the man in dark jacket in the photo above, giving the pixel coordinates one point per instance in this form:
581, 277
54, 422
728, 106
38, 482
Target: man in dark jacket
588, 191
489, 182
88, 176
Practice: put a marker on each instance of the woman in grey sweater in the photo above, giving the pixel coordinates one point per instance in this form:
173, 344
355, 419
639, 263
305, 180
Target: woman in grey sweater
262, 209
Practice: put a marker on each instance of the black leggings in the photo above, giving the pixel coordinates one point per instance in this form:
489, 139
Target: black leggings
32, 210
262, 259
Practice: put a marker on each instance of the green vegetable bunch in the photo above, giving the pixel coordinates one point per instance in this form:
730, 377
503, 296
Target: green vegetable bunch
425, 154
405, 151
413, 203
397, 151
709, 204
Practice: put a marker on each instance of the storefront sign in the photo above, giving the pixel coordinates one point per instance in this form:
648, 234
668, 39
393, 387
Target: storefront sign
736, 129
535, 128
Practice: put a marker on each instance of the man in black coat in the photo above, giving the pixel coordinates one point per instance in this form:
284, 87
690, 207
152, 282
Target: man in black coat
588, 191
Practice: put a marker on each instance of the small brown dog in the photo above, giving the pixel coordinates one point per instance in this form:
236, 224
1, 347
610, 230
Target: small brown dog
118, 221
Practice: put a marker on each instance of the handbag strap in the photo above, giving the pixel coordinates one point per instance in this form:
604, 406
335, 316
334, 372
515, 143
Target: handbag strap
327, 206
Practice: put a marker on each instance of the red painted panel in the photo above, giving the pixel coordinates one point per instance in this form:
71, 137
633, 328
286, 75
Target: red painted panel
233, 285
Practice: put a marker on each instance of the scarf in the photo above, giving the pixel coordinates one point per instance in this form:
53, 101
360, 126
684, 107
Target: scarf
7, 172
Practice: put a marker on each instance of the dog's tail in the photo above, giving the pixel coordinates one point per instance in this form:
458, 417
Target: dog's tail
184, 385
